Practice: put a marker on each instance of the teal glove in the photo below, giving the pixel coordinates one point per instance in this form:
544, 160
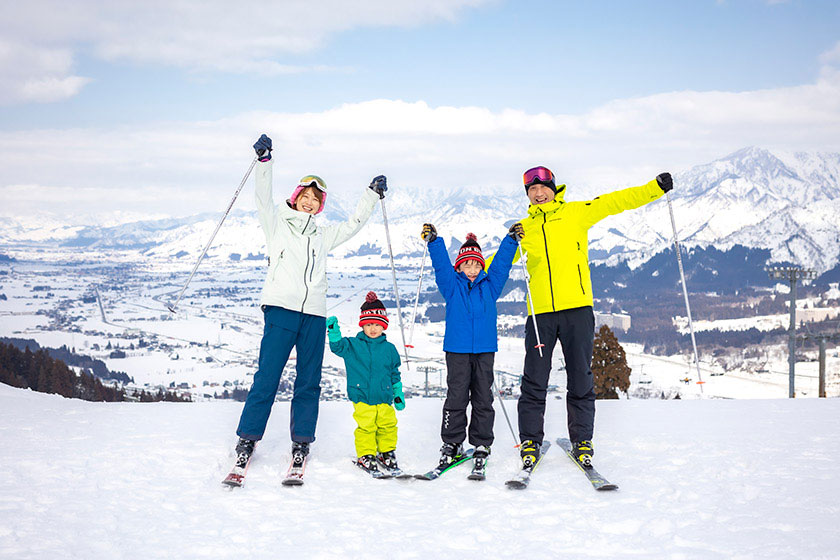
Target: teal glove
333, 330
399, 398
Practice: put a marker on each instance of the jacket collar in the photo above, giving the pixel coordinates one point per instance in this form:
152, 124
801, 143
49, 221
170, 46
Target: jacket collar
301, 222
479, 278
378, 340
548, 207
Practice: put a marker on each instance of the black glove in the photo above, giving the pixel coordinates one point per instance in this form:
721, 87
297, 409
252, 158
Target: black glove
429, 233
379, 185
516, 232
665, 182
263, 148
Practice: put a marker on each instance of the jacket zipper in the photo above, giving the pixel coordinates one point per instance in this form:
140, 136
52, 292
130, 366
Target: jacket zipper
305, 285
548, 262
312, 270
580, 279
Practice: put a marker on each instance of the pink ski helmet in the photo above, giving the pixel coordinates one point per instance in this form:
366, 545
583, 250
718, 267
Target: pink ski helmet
310, 181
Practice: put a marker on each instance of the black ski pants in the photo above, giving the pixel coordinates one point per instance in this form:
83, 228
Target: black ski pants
469, 380
575, 329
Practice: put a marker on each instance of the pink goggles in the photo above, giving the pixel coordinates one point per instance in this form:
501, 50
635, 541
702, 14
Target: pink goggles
537, 175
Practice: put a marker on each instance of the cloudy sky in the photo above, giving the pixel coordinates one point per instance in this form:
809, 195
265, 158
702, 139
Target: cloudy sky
112, 110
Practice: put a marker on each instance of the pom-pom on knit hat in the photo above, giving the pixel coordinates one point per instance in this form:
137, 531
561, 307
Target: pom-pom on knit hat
469, 250
373, 312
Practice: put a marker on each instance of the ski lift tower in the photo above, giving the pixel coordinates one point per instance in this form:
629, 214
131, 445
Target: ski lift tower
792, 274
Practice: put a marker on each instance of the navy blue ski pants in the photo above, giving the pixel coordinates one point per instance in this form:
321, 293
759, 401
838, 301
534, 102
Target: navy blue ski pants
283, 330
575, 329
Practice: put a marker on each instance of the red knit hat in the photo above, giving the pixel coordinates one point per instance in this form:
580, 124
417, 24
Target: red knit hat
469, 250
373, 312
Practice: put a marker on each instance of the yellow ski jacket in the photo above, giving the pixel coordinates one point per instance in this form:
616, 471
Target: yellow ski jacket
556, 244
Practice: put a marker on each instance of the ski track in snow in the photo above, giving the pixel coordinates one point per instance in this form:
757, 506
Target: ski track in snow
698, 478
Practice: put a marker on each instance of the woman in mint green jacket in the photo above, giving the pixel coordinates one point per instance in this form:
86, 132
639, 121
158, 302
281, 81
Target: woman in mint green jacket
373, 384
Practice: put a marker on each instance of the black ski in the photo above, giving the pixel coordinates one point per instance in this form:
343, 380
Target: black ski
478, 472
523, 477
375, 472
439, 470
394, 473
598, 481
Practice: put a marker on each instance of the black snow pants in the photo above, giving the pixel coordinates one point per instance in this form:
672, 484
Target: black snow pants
575, 329
469, 380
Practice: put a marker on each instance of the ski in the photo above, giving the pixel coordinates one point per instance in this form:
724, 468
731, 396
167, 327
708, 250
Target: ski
438, 471
523, 477
395, 473
236, 476
294, 476
598, 482
374, 472
478, 472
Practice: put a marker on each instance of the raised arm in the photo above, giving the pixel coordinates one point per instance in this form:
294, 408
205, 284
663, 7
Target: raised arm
444, 273
600, 207
499, 270
338, 234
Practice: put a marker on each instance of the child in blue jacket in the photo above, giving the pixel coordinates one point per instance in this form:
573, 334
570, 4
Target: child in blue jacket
373, 384
470, 341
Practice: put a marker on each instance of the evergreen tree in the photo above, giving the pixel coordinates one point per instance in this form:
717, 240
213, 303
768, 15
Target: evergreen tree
609, 365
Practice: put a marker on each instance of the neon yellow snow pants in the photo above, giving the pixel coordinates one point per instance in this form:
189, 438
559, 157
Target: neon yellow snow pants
377, 428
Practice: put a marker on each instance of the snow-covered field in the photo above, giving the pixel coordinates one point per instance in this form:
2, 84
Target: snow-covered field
699, 479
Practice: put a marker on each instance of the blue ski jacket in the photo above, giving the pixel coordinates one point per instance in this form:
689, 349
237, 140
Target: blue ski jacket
471, 306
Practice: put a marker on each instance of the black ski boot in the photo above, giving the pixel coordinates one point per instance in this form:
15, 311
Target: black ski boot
583, 452
300, 449
244, 450
529, 451
368, 464
479, 462
449, 452
388, 460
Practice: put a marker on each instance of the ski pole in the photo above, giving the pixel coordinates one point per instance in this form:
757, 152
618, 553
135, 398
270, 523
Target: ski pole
522, 256
417, 298
685, 292
394, 274
204, 252
502, 402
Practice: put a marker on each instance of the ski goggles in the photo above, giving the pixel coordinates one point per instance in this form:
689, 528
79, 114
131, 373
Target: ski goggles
310, 180
536, 175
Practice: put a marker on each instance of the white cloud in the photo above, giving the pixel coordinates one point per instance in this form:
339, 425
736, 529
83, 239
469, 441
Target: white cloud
29, 73
181, 167
41, 37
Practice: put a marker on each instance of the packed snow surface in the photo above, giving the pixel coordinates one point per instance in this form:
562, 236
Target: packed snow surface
698, 479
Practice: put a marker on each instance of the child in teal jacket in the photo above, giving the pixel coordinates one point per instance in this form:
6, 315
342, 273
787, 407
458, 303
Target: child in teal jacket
373, 384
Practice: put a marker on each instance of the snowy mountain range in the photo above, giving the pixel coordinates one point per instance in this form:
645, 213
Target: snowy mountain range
788, 203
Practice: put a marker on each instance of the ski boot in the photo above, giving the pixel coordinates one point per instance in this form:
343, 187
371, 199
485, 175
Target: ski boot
529, 451
388, 460
479, 462
583, 452
300, 449
244, 450
368, 464
449, 452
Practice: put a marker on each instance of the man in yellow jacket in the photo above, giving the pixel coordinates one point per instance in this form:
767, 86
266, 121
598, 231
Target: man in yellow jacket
554, 238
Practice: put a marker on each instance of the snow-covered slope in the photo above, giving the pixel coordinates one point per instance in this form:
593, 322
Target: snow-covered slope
786, 202
698, 478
